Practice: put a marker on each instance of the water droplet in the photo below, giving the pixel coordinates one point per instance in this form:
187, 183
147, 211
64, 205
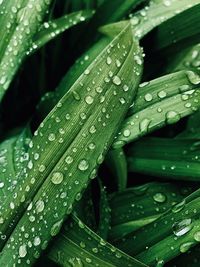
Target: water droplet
22, 251
144, 125
56, 228
178, 207
39, 206
159, 197
51, 137
162, 94
36, 241
92, 129
148, 97
57, 178
186, 246
69, 160
89, 100
197, 236
83, 165
42, 168
108, 60
182, 227
172, 117
99, 90
126, 133
193, 77
116, 80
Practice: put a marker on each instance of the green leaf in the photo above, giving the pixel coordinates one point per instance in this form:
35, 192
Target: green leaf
77, 245
140, 205
116, 162
71, 143
24, 24
165, 157
150, 17
104, 213
51, 29
183, 28
157, 106
171, 234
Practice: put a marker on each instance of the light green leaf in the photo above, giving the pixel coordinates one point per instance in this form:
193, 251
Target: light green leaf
24, 24
157, 106
77, 245
71, 143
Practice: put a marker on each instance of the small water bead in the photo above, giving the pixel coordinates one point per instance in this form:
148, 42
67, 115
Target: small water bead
186, 246
99, 89
144, 125
87, 71
76, 95
144, 84
162, 94
89, 100
178, 207
118, 63
51, 137
88, 260
125, 88
148, 97
22, 251
83, 165
57, 178
42, 168
159, 197
197, 236
1, 184
116, 80
3, 80
56, 228
91, 146
193, 77
67, 116
39, 206
12, 205
138, 60
122, 100
69, 159
172, 117
30, 164
92, 129
182, 227
126, 133
108, 60
37, 241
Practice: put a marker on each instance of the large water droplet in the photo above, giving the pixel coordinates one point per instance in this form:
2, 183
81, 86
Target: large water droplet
83, 165
22, 251
39, 206
172, 117
148, 97
178, 207
193, 77
159, 197
182, 227
116, 80
57, 178
89, 100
